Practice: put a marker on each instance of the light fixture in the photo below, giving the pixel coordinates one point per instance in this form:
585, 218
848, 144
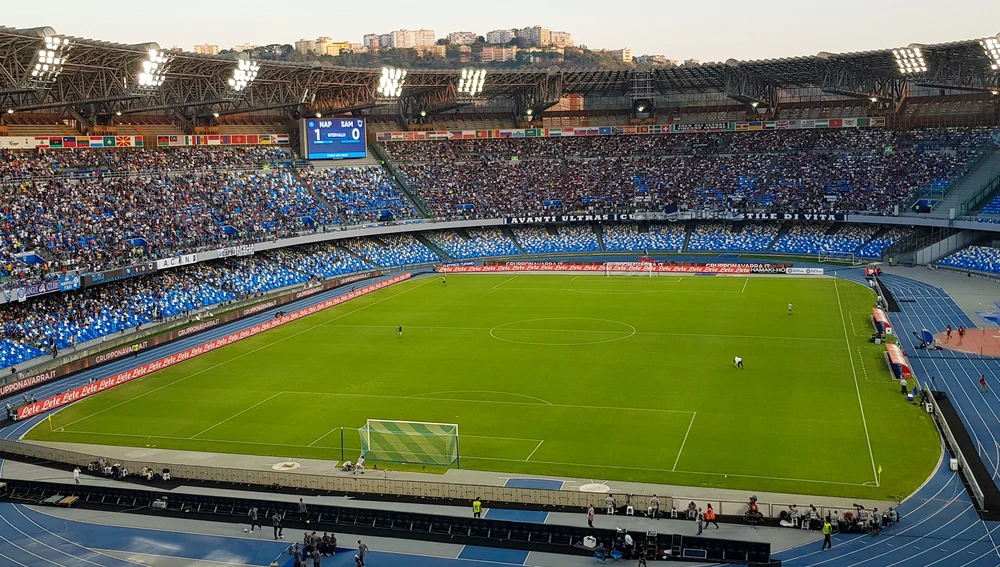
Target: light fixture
390, 83
423, 113
215, 114
245, 72
991, 46
471, 82
994, 93
154, 70
873, 99
754, 104
641, 108
319, 115
10, 111
118, 113
910, 60
49, 60
530, 112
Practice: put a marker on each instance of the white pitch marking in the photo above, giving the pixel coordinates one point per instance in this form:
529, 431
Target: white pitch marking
535, 449
264, 401
684, 442
503, 282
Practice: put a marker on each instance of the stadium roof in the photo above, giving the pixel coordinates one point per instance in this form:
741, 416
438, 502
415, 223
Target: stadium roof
100, 78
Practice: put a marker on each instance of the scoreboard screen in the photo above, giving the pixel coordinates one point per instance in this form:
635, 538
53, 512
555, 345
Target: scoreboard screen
334, 138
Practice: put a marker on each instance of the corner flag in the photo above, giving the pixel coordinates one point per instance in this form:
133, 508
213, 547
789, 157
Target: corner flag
50, 422
880, 469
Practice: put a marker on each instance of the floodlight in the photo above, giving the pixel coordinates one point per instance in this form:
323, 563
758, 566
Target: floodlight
754, 104
10, 111
471, 82
118, 113
49, 60
910, 60
991, 46
530, 112
390, 84
154, 69
873, 99
319, 115
423, 113
215, 114
245, 72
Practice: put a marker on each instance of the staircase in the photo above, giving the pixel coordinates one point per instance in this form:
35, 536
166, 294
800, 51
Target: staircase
965, 188
781, 232
599, 231
687, 236
315, 194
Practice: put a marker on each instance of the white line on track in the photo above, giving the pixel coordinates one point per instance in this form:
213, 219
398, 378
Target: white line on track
224, 362
684, 442
235, 415
535, 449
857, 387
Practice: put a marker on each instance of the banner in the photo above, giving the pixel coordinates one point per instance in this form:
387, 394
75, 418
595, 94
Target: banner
619, 267
568, 218
804, 271
74, 142
118, 274
168, 361
75, 366
688, 128
241, 250
814, 217
176, 261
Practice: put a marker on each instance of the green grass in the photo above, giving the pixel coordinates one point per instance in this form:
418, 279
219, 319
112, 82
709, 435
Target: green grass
622, 378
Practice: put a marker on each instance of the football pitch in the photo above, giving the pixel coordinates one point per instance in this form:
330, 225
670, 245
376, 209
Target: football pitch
594, 377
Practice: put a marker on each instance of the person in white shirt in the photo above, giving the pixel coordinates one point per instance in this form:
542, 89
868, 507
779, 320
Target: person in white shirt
789, 308
738, 362
360, 466
610, 502
76, 475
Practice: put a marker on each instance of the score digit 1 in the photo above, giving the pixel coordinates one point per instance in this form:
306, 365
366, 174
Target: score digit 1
317, 134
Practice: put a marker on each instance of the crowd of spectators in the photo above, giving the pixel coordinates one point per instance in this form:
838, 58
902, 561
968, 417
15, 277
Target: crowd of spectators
858, 170
359, 194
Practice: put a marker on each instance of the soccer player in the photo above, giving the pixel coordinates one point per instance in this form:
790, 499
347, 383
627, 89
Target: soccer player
399, 331
444, 280
738, 362
790, 308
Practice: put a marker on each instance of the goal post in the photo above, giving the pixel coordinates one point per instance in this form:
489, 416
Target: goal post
849, 258
420, 442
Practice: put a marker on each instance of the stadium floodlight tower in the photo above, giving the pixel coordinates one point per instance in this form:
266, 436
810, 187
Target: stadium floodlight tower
991, 46
153, 70
244, 74
910, 60
48, 62
390, 83
471, 82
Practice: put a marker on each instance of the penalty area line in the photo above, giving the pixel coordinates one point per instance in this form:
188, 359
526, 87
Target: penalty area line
533, 451
512, 278
684, 442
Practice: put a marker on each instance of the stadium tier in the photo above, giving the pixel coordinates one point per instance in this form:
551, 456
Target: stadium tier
479, 243
536, 240
981, 258
629, 237
359, 194
725, 237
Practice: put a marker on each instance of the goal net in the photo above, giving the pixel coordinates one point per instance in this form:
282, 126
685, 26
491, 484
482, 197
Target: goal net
840, 258
409, 442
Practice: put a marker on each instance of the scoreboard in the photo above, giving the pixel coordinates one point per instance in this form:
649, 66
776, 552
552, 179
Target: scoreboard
333, 138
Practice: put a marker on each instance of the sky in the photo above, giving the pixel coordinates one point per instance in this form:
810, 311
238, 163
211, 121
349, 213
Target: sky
715, 30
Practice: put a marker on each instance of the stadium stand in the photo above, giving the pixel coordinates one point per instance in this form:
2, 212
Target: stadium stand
981, 258
628, 237
875, 247
752, 237
813, 239
359, 194
391, 250
803, 171
480, 243
535, 240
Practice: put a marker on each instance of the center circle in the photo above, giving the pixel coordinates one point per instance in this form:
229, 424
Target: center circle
563, 331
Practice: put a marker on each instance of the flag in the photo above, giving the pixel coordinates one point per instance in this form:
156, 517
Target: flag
50, 421
880, 469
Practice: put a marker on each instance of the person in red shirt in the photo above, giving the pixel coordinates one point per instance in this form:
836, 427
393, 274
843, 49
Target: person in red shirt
947, 331
982, 383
